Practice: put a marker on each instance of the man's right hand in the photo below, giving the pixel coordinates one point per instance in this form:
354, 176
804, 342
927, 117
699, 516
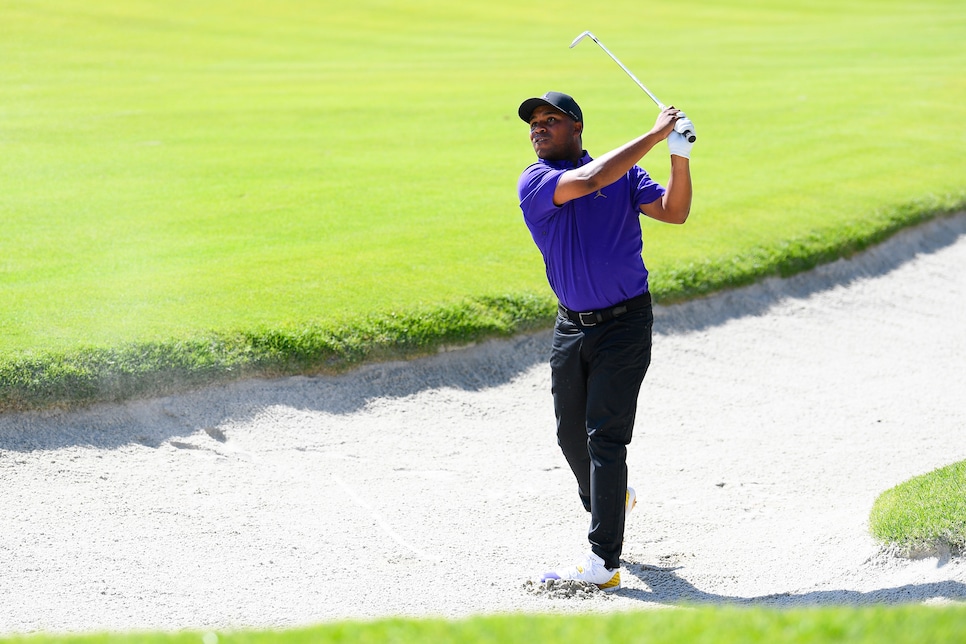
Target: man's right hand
664, 124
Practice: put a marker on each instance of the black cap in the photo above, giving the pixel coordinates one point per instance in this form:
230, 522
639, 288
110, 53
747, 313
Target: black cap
563, 102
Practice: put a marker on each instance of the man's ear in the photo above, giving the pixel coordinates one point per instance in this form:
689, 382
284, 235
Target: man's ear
578, 128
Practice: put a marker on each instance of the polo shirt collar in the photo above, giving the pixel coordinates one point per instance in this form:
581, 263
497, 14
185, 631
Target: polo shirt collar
567, 165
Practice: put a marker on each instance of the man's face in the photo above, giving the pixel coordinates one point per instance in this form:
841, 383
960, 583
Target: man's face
554, 135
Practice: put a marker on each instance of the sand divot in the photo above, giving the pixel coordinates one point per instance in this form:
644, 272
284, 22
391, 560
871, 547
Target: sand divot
567, 589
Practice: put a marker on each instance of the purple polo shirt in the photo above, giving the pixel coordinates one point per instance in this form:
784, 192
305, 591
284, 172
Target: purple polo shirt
592, 245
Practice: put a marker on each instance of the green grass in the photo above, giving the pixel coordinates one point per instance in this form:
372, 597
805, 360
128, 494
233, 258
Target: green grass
925, 514
704, 625
179, 179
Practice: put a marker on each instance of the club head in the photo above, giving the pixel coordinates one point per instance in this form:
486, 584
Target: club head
581, 37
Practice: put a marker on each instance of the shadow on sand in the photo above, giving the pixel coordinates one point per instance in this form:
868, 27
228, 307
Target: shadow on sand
669, 588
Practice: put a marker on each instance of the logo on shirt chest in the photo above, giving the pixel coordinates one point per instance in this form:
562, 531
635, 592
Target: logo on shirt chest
600, 194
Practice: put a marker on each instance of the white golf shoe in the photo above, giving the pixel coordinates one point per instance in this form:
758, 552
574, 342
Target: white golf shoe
590, 569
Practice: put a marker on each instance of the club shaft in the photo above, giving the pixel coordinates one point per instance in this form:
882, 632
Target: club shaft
688, 134
654, 98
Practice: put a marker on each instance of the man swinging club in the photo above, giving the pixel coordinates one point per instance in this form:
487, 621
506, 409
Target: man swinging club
584, 216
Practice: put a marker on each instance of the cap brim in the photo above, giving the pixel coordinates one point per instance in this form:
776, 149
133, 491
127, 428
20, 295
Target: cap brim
528, 106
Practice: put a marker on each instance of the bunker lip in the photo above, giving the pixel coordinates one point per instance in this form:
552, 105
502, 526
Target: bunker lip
772, 418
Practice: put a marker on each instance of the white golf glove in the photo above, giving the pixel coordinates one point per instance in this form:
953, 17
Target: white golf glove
676, 141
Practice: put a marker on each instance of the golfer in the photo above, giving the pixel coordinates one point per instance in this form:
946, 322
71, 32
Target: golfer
584, 215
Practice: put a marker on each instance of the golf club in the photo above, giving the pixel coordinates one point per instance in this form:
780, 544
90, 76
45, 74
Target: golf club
688, 134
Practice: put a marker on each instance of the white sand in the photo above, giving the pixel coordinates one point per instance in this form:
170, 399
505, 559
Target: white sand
771, 419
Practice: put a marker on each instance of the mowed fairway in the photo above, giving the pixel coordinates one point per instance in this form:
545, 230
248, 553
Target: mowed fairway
170, 169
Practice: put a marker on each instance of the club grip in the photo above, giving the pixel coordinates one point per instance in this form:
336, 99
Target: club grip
686, 133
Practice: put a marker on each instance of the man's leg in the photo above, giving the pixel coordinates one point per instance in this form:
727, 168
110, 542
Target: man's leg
621, 354
568, 383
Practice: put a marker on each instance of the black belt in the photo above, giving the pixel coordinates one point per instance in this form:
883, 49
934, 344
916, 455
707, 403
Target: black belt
593, 318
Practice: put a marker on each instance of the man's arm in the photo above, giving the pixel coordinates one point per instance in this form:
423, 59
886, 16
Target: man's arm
675, 205
607, 169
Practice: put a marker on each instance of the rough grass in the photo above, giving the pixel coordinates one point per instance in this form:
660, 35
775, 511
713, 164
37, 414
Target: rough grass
798, 254
870, 625
156, 368
925, 515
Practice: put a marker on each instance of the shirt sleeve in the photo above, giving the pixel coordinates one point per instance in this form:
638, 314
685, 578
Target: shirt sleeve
646, 189
535, 189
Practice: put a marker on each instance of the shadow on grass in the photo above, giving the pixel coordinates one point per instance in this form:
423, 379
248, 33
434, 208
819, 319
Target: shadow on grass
669, 588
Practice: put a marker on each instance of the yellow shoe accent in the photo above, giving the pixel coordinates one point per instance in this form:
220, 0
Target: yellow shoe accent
613, 584
630, 500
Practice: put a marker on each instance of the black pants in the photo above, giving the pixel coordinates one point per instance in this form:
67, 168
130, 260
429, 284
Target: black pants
596, 376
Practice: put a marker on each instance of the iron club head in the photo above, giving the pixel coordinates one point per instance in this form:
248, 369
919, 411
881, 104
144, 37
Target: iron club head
581, 37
